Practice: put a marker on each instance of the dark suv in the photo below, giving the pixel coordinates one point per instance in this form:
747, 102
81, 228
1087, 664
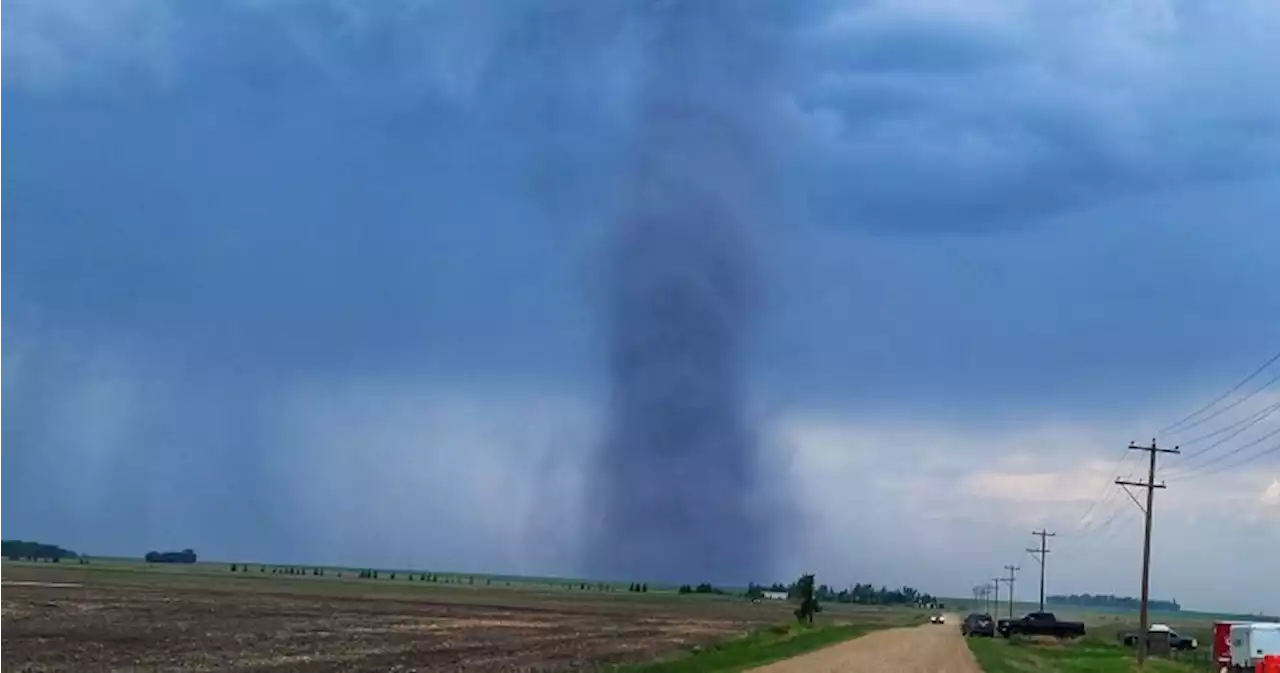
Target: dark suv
978, 625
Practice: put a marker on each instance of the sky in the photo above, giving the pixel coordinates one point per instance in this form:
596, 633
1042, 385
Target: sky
325, 282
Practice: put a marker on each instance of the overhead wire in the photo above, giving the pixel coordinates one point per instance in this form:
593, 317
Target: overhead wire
1263, 413
1195, 471
1236, 464
1229, 407
1223, 396
1243, 424
1103, 496
1095, 537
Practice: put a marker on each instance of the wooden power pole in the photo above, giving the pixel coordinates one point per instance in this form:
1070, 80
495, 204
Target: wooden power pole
1010, 579
1151, 486
1041, 556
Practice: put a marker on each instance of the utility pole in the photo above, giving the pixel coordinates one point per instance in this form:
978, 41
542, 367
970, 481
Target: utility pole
1041, 556
1151, 486
995, 602
1010, 579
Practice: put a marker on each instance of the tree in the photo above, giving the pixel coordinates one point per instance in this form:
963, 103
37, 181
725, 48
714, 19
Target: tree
233, 567
808, 599
685, 589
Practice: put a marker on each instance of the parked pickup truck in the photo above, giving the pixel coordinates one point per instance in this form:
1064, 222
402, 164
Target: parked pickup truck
1040, 624
1176, 641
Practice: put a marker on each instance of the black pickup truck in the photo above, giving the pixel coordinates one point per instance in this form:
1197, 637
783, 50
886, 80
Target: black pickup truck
1040, 624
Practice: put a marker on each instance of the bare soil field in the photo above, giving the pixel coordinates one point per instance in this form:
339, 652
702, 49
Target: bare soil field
79, 619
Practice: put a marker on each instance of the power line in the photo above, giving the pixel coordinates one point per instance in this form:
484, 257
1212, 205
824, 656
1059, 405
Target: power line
1111, 492
1259, 415
1229, 407
1103, 533
1252, 421
1041, 556
1151, 487
1221, 397
1111, 533
1218, 458
1222, 468
1092, 532
1104, 496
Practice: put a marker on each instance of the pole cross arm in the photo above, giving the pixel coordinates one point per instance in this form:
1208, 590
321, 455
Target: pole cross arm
1139, 484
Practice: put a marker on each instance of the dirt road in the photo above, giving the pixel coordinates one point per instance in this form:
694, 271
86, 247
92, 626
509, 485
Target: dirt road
929, 648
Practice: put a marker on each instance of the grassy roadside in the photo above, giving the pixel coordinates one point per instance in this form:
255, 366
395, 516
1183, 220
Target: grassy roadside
759, 647
1090, 655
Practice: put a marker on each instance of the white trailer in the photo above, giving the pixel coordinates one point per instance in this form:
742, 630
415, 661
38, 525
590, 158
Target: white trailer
1251, 642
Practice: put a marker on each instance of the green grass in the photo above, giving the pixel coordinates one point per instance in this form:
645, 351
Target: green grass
758, 648
1088, 655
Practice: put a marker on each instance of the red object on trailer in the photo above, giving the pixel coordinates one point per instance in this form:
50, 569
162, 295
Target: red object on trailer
1222, 642
1269, 664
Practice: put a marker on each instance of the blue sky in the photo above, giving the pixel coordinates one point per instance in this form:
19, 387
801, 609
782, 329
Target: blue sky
288, 279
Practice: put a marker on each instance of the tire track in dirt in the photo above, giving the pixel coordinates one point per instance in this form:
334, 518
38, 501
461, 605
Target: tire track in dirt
929, 648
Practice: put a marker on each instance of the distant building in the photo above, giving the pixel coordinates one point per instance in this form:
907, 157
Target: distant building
774, 595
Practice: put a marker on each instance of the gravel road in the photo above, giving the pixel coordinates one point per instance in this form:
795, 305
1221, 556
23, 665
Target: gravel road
929, 648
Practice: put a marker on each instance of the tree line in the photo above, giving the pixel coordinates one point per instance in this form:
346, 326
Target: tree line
184, 556
1115, 602
704, 588
26, 550
862, 594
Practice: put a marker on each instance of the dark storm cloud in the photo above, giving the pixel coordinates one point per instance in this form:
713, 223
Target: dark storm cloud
942, 117
212, 206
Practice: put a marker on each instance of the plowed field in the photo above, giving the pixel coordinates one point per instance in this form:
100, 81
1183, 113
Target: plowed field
78, 619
